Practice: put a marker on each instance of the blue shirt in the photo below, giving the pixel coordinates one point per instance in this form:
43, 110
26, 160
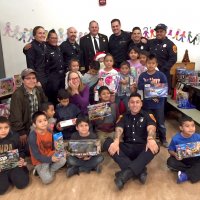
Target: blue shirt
179, 139
146, 78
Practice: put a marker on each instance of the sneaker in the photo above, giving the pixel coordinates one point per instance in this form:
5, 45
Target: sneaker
35, 173
72, 171
143, 177
182, 177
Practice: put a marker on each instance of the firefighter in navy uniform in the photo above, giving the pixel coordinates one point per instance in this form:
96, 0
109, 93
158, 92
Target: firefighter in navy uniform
165, 51
70, 48
138, 147
55, 68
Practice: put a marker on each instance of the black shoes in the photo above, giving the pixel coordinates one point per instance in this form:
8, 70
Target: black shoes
122, 177
143, 177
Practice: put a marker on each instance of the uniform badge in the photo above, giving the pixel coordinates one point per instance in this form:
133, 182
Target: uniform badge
164, 45
174, 49
152, 117
141, 119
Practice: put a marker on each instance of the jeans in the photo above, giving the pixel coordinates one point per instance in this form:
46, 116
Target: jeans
89, 164
124, 98
46, 171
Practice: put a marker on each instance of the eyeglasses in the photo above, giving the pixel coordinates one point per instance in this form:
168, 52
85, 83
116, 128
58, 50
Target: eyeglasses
74, 79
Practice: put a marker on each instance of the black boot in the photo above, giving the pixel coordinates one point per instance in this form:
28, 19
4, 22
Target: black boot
143, 176
122, 177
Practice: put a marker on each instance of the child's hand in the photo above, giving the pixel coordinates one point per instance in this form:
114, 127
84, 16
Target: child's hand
21, 162
54, 158
178, 157
59, 127
86, 158
123, 81
74, 121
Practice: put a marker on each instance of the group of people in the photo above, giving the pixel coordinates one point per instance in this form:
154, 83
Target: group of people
54, 71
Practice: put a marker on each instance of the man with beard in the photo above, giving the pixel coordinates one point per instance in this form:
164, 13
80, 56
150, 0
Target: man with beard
70, 48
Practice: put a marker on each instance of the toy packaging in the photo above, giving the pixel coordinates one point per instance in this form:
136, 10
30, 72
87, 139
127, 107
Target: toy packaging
89, 147
155, 91
5, 110
9, 159
188, 150
6, 86
59, 145
99, 110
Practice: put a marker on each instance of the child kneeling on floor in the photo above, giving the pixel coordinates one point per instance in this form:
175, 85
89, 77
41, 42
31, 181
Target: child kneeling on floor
41, 149
183, 161
17, 176
78, 164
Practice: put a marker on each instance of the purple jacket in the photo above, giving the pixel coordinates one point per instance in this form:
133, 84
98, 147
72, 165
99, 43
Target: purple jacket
81, 100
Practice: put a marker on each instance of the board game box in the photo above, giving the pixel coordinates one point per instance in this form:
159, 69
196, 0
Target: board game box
6, 86
89, 147
99, 110
155, 91
188, 150
9, 159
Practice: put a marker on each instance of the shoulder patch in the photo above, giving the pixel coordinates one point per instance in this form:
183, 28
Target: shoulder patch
174, 48
152, 117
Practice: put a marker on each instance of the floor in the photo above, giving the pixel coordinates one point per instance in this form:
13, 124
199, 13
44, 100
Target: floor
160, 185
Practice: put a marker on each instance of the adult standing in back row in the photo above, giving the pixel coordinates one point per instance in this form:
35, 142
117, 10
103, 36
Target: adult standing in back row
165, 51
92, 43
118, 43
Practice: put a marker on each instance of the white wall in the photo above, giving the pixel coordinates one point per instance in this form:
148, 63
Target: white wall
64, 13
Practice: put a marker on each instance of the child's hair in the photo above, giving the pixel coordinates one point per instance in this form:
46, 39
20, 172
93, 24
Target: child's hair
36, 115
45, 106
102, 88
108, 54
152, 57
82, 119
4, 120
95, 65
135, 94
63, 94
184, 119
135, 48
125, 63
73, 60
144, 52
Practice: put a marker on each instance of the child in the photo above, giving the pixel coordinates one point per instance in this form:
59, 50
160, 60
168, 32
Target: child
41, 149
83, 163
156, 105
188, 168
143, 59
91, 77
17, 176
105, 127
108, 70
74, 67
136, 67
66, 111
48, 109
125, 84
99, 56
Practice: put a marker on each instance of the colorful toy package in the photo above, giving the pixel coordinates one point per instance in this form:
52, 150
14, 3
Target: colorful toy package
188, 150
99, 110
155, 90
9, 159
6, 86
59, 144
5, 110
89, 147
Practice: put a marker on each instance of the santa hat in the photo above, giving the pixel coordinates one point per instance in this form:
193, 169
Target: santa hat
99, 55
